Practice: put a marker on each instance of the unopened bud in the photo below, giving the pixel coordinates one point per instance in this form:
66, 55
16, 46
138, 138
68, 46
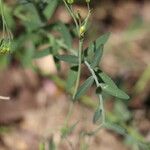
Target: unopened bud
88, 1
82, 30
4, 46
70, 1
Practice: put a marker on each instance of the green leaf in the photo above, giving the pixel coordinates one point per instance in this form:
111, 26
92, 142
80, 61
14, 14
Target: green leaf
93, 49
97, 119
114, 91
50, 9
30, 19
106, 79
42, 146
66, 131
65, 33
28, 53
68, 58
102, 40
144, 145
54, 46
117, 128
66, 36
51, 144
72, 76
40, 54
84, 87
97, 57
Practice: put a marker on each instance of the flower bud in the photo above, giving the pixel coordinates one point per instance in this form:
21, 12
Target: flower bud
4, 50
82, 30
88, 1
70, 1
4, 46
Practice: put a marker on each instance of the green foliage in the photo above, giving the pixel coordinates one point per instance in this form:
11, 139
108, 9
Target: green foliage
35, 32
42, 146
96, 48
52, 145
68, 58
50, 8
97, 57
84, 87
97, 116
34, 16
66, 131
72, 76
66, 36
114, 91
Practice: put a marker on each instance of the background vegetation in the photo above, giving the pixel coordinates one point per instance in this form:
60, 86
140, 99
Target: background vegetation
37, 82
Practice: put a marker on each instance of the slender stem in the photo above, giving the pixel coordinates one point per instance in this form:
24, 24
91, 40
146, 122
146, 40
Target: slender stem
79, 66
68, 114
6, 29
99, 95
2, 14
102, 107
88, 6
94, 131
74, 18
70, 10
63, 45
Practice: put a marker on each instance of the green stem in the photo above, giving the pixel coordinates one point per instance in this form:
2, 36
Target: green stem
70, 10
63, 45
99, 95
68, 115
79, 67
3, 18
6, 29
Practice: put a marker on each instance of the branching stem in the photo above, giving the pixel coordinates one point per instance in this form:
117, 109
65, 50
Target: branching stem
99, 95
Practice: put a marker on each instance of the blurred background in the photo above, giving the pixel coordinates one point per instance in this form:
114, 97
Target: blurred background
36, 84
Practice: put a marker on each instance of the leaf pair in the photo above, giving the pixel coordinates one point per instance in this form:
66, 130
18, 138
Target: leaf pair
110, 87
94, 52
93, 55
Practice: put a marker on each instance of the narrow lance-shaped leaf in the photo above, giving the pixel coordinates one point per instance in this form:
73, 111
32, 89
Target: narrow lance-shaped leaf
114, 91
102, 40
66, 36
97, 57
40, 54
68, 58
65, 131
72, 75
50, 9
106, 79
97, 118
51, 144
116, 128
84, 87
94, 46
